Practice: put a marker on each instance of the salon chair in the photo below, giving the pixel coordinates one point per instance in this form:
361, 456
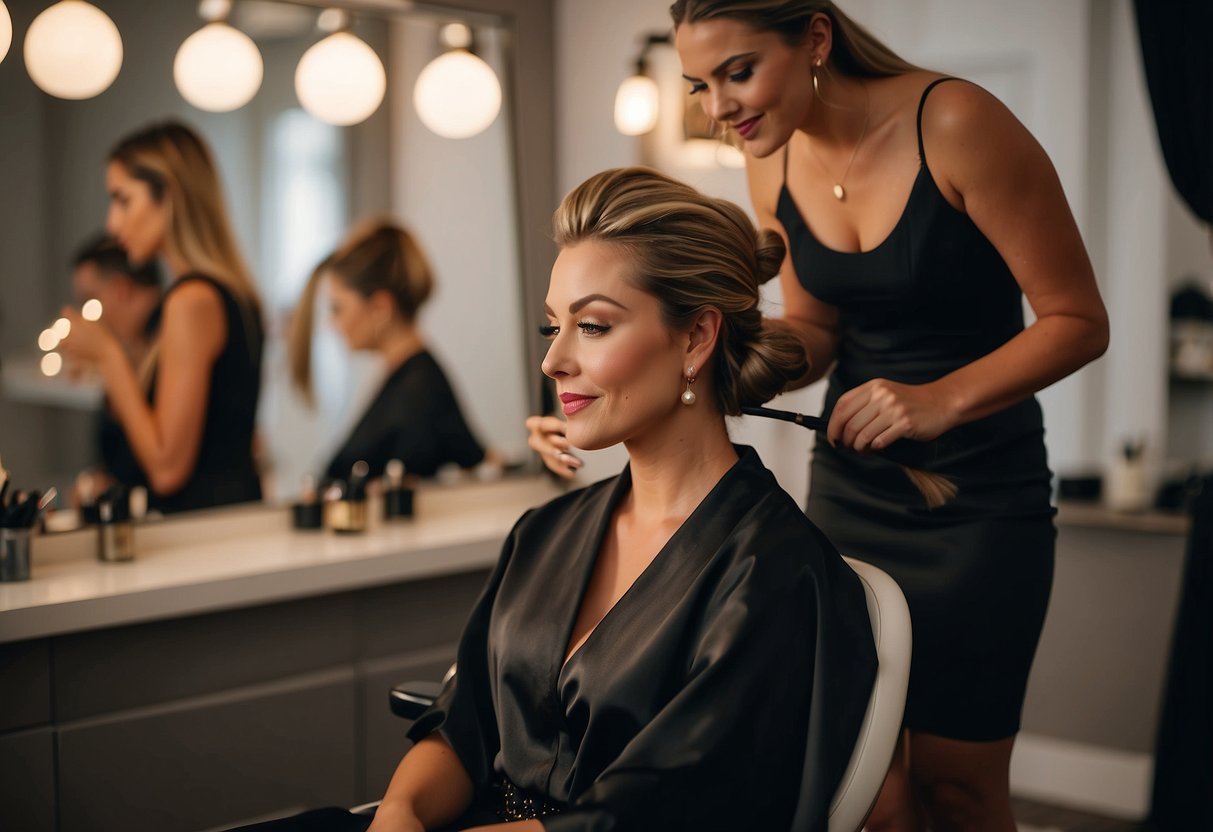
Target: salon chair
878, 733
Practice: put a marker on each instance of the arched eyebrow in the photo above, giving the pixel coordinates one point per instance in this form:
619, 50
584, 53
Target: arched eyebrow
577, 305
723, 66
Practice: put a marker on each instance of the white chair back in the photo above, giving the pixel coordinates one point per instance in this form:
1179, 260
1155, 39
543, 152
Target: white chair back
865, 773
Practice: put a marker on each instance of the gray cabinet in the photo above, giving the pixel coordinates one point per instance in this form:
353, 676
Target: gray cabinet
205, 721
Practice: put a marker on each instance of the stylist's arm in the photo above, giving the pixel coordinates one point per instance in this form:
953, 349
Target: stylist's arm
165, 440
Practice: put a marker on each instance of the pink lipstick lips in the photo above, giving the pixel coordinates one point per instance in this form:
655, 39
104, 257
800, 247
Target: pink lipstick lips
573, 402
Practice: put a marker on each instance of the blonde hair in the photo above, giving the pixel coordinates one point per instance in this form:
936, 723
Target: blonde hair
855, 50
379, 255
693, 252
176, 165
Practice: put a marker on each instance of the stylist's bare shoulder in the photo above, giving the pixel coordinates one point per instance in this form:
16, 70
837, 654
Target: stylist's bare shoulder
968, 134
194, 314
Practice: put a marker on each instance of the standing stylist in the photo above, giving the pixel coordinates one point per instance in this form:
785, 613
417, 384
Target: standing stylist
188, 411
918, 212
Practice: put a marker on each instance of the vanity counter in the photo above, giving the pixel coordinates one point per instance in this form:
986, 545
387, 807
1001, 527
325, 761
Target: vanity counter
237, 557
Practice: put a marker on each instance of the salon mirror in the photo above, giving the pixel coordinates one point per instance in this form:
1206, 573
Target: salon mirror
294, 186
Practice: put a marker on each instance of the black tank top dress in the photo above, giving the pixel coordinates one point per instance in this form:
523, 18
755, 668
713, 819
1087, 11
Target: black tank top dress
933, 296
225, 472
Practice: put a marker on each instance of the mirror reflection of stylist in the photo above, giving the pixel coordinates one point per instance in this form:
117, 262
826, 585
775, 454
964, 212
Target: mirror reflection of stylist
188, 410
376, 282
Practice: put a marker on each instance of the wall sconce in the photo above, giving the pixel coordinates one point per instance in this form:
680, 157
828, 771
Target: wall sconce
6, 30
340, 79
636, 101
73, 50
218, 68
457, 95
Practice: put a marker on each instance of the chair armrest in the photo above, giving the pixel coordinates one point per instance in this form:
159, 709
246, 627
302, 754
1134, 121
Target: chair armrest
410, 699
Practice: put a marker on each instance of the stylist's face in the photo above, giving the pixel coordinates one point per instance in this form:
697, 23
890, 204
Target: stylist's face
351, 314
135, 219
618, 367
747, 80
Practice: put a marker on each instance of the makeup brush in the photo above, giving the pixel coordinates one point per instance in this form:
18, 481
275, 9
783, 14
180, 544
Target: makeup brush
936, 489
395, 473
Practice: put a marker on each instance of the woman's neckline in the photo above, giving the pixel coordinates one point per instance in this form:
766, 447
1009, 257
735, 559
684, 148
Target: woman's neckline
786, 193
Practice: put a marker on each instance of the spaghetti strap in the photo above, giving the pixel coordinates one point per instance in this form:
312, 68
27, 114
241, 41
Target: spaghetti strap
922, 102
787, 151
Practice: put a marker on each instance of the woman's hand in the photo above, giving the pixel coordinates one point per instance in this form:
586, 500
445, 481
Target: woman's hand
876, 414
89, 341
547, 439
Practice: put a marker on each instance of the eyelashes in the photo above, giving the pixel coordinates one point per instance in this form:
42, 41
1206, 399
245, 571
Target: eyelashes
737, 77
550, 331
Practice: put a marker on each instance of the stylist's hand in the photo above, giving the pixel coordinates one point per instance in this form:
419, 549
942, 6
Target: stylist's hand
89, 341
547, 439
876, 414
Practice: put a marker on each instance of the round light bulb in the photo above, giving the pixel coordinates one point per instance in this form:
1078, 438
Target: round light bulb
52, 363
48, 339
457, 95
91, 310
73, 50
636, 105
218, 68
62, 327
6, 30
340, 80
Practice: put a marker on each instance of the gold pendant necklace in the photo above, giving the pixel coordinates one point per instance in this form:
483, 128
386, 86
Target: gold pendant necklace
840, 193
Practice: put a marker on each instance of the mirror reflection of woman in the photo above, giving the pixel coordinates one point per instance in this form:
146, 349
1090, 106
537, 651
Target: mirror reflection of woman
376, 283
188, 411
131, 297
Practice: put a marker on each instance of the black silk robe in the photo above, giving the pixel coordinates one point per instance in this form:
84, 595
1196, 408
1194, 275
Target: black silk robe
740, 655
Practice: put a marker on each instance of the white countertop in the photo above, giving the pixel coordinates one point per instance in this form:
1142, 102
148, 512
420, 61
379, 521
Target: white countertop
245, 556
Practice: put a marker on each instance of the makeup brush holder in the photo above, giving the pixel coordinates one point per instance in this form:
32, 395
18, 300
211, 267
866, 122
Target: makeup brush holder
15, 554
398, 503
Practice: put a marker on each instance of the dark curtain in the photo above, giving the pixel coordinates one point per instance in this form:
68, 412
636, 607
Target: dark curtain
1183, 758
1177, 50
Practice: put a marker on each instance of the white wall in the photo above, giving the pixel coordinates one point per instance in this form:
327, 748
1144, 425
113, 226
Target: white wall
474, 320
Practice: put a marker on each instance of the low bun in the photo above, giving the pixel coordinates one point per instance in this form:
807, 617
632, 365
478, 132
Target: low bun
773, 360
770, 254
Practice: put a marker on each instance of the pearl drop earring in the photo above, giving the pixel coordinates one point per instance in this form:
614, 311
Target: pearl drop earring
688, 395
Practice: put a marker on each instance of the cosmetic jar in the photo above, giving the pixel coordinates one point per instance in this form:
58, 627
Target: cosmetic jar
398, 503
115, 531
345, 516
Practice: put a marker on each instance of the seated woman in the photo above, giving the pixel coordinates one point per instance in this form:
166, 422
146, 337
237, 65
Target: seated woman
675, 647
377, 282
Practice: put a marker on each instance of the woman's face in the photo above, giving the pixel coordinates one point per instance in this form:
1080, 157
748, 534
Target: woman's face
748, 80
618, 368
356, 317
135, 219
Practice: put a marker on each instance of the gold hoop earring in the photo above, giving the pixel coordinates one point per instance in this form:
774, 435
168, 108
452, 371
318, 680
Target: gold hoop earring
816, 84
688, 395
